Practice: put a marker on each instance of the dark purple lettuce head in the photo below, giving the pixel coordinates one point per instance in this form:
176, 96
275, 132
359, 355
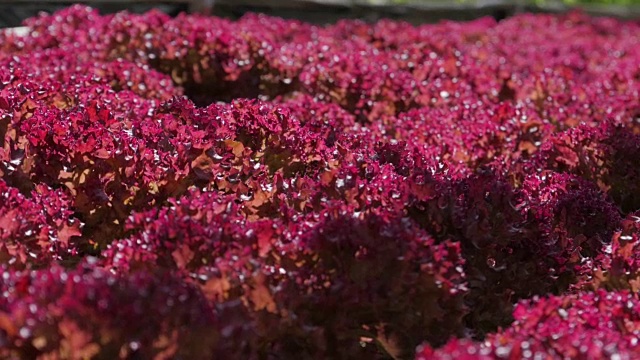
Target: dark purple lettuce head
574, 218
617, 266
37, 230
89, 311
517, 242
377, 280
605, 154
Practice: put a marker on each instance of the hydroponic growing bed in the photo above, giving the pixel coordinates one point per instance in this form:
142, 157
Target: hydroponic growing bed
195, 188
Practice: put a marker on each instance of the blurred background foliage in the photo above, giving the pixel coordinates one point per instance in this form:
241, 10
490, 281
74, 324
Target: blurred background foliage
537, 2
12, 12
611, 2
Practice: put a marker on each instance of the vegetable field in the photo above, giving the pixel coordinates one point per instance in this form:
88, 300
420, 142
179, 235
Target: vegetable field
199, 188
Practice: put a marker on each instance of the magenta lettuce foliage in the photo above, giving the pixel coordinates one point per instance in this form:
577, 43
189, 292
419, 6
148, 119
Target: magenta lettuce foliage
194, 187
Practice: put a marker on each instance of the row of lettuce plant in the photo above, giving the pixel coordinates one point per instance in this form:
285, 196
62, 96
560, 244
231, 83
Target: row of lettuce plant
194, 187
